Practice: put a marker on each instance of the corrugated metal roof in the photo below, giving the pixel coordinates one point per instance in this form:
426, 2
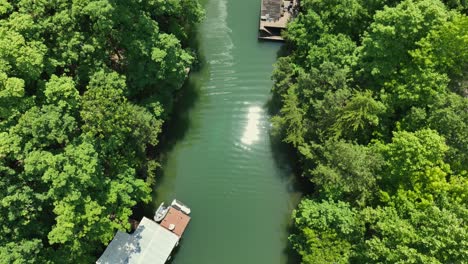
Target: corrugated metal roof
150, 243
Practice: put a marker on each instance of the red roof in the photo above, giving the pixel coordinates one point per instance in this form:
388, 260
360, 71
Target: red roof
178, 218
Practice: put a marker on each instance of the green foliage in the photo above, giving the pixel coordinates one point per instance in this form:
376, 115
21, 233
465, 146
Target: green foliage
19, 56
74, 135
61, 91
450, 119
414, 164
423, 237
347, 172
329, 16
359, 114
325, 229
114, 123
292, 120
446, 49
12, 100
331, 48
460, 5
23, 252
373, 98
44, 128
393, 33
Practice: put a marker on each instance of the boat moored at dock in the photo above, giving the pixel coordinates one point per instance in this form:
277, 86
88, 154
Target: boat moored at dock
160, 213
179, 205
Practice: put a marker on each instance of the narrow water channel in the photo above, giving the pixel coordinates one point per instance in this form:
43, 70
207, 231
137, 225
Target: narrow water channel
221, 161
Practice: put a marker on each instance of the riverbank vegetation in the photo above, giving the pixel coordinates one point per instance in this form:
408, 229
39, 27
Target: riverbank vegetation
84, 88
373, 98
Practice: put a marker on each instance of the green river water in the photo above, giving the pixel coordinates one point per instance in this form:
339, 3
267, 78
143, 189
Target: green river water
220, 160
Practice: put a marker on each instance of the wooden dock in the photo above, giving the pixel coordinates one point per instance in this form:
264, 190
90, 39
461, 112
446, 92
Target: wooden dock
274, 17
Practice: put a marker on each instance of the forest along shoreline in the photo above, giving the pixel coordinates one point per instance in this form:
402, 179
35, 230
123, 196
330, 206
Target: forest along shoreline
374, 100
213, 165
84, 90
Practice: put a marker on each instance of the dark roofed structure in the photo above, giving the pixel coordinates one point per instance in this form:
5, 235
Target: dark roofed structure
272, 8
274, 17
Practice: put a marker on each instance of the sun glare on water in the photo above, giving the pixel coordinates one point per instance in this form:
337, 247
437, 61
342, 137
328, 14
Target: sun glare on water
252, 130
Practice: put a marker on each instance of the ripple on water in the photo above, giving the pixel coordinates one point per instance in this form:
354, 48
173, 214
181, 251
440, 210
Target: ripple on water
224, 166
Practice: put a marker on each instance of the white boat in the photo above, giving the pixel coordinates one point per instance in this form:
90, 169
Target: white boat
161, 212
182, 207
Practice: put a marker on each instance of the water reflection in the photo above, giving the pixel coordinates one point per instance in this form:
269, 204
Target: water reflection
252, 131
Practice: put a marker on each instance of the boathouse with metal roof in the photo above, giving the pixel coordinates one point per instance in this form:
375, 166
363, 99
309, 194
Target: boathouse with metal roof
150, 243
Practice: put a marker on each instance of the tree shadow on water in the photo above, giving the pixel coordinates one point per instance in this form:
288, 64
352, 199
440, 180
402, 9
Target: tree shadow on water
287, 163
285, 159
284, 50
292, 257
174, 130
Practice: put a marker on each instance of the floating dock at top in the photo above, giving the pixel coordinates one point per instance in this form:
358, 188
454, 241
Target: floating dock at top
274, 17
151, 242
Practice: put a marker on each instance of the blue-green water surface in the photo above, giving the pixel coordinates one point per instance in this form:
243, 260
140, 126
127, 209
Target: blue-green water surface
223, 163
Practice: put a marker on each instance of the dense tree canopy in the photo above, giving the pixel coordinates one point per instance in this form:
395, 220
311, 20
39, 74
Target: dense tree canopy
74, 131
373, 97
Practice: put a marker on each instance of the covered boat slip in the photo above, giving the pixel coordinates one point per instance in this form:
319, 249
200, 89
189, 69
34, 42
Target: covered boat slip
150, 243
